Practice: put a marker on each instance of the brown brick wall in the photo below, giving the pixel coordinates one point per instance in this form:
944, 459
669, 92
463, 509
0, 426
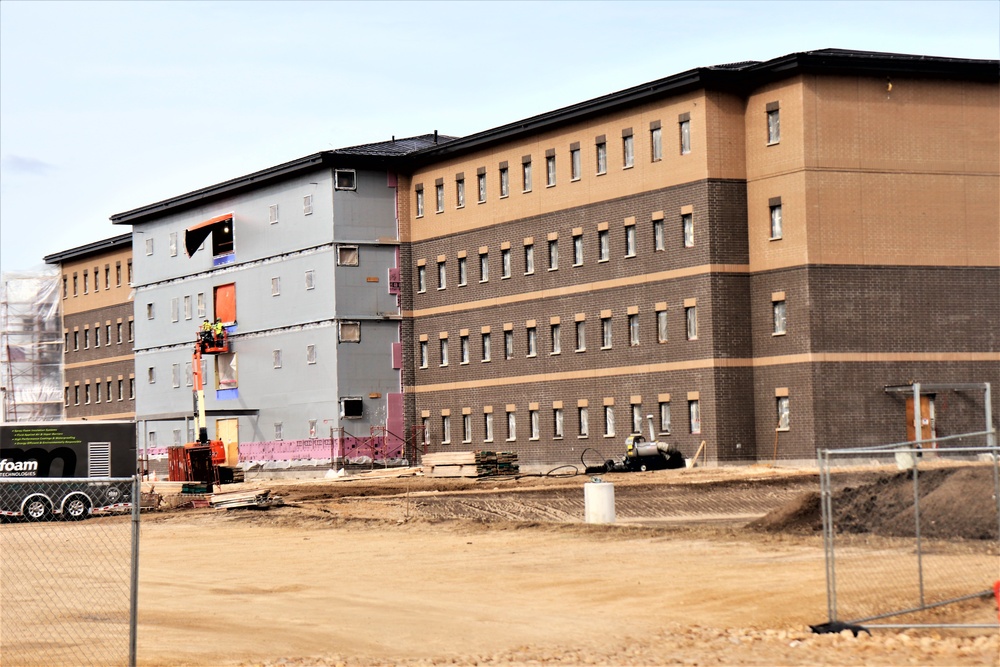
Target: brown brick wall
99, 362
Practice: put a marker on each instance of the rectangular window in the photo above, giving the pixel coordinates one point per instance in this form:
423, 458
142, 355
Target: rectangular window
188, 376
691, 316
605, 333
630, 241
131, 330
504, 181
633, 329
107, 334
420, 203
442, 275
508, 344
505, 263
175, 309
575, 163
75, 284
275, 286
466, 428
460, 192
602, 157
687, 223
556, 344
107, 396
481, 180
66, 397
532, 341
175, 375
86, 393
581, 340
557, 422
65, 287
656, 142
628, 151
107, 276
201, 304
173, 251
86, 282
609, 420
118, 274
550, 170
487, 427
272, 214
424, 354
349, 331
553, 254
484, 267
534, 425
347, 255
776, 232
463, 349
310, 354
684, 125
345, 179
603, 246
463, 274
773, 123
278, 431
636, 418
76, 395
526, 173
97, 392
188, 314
529, 259
118, 332
310, 279
150, 375
443, 346
782, 404
661, 326
312, 428
276, 358
150, 311
578, 250
129, 268
307, 205
511, 426
149, 251
121, 395
439, 197
583, 422
659, 242
425, 428
421, 278
86, 338
780, 312
97, 335
445, 429
694, 414
486, 346
665, 417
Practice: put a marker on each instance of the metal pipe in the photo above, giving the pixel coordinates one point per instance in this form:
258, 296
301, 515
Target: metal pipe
916, 520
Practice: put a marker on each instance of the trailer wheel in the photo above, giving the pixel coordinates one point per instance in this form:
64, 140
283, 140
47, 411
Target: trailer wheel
38, 508
77, 508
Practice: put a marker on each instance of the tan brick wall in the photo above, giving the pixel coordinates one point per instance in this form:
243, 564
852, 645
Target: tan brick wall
100, 298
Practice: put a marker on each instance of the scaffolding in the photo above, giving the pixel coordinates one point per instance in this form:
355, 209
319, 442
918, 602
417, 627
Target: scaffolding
31, 347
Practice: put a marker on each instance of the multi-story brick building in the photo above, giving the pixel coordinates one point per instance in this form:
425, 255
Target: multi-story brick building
97, 324
751, 253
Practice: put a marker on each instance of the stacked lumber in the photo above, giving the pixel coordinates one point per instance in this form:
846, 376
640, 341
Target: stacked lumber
251, 498
480, 463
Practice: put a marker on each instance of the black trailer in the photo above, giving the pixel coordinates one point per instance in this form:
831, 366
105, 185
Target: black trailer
68, 469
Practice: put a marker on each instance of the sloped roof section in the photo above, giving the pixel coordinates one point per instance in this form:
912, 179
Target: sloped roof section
397, 147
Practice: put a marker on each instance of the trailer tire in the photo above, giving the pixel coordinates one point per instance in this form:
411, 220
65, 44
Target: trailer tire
77, 508
38, 508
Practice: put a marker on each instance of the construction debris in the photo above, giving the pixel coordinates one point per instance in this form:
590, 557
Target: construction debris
479, 463
251, 498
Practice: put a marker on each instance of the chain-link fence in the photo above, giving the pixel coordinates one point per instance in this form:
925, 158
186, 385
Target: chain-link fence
920, 542
68, 571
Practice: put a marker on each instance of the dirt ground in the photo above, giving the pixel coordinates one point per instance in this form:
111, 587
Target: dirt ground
713, 566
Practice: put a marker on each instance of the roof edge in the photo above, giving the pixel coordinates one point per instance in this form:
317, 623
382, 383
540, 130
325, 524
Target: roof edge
89, 249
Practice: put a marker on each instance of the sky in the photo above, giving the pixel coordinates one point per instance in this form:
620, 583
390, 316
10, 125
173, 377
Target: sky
110, 106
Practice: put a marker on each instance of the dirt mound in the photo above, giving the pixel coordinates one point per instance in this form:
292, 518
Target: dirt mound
954, 503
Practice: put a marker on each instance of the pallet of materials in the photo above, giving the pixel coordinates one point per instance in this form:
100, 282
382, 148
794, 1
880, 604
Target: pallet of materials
251, 498
480, 463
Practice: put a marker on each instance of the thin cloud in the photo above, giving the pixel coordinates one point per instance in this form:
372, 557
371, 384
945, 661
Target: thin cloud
19, 164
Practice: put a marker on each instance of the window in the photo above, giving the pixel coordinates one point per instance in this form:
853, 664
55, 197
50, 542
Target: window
201, 304
65, 287
118, 274
505, 263
442, 275
175, 309
310, 354
665, 417
272, 214
628, 149
532, 342
511, 426
149, 251
420, 201
484, 267
276, 358
684, 125
578, 250
602, 156
463, 274
609, 420
508, 344
463, 349
76, 394
86, 393
129, 267
65, 342
275, 286
118, 331
556, 344
107, 276
694, 414
633, 329
75, 284
773, 123
131, 330
175, 375
526, 172
347, 255
487, 427
173, 251
782, 404
603, 246
659, 242
630, 241
349, 332
439, 197
776, 232
310, 279
780, 311
421, 278
107, 396
443, 346
466, 428
687, 223
97, 335
86, 338
445, 429
504, 180
533, 425
636, 418
425, 428
661, 326
553, 254
460, 192
345, 179
86, 282
150, 311
550, 170
574, 162
582, 421
187, 307
529, 259
557, 422
151, 375
486, 346
481, 180
307, 205
423, 354
605, 333
655, 141
188, 375
107, 334
691, 316
278, 431
312, 428
581, 340
121, 395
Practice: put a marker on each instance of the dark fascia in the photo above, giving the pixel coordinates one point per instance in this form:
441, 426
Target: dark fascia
113, 243
738, 78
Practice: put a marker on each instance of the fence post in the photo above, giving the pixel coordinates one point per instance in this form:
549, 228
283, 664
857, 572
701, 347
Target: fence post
133, 617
